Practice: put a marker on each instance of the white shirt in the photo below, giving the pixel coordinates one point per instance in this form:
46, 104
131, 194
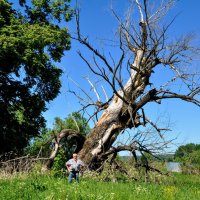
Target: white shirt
74, 165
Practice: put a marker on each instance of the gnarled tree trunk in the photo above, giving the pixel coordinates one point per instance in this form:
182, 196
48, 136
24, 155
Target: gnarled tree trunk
117, 117
149, 49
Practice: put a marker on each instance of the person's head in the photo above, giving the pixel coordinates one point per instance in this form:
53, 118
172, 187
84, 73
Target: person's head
75, 156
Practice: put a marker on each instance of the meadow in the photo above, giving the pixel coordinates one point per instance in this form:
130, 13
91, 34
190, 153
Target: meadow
48, 187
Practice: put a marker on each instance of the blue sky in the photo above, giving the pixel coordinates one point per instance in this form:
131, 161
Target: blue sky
98, 22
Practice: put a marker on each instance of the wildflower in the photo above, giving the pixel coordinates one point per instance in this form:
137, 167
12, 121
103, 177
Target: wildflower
170, 191
140, 189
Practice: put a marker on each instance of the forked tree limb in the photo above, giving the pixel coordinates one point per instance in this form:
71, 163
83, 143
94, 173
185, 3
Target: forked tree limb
67, 134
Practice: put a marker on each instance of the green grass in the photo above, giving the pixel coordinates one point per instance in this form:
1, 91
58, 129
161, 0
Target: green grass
41, 187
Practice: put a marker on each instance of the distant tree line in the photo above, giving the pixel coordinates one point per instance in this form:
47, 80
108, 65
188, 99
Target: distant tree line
189, 153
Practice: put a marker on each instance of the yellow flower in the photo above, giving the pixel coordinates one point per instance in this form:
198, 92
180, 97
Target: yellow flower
170, 191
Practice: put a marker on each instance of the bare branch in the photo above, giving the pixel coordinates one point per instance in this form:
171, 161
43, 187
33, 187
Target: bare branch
81, 89
161, 11
144, 49
78, 129
105, 93
140, 10
157, 129
95, 91
172, 95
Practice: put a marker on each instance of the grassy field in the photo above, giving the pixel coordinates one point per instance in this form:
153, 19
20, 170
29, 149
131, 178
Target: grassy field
45, 187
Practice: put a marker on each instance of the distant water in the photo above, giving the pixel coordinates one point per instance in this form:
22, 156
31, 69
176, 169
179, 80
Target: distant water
173, 166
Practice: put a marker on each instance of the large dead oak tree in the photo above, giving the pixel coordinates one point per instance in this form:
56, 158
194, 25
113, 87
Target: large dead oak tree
144, 47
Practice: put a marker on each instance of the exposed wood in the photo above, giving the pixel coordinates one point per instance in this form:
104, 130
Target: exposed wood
145, 43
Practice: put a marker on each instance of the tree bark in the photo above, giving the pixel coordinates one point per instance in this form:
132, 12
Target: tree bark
114, 119
149, 49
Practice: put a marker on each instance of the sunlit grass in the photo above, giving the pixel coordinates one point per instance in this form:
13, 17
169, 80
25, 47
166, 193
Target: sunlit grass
36, 186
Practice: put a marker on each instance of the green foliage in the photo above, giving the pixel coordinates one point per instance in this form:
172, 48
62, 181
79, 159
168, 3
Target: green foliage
40, 146
195, 155
73, 121
59, 168
32, 41
189, 155
188, 152
43, 146
184, 150
33, 186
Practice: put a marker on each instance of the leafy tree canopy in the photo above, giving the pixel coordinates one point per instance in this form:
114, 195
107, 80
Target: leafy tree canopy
32, 41
189, 153
184, 150
73, 121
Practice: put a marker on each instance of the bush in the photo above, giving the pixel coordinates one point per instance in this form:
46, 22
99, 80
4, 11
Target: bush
59, 168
